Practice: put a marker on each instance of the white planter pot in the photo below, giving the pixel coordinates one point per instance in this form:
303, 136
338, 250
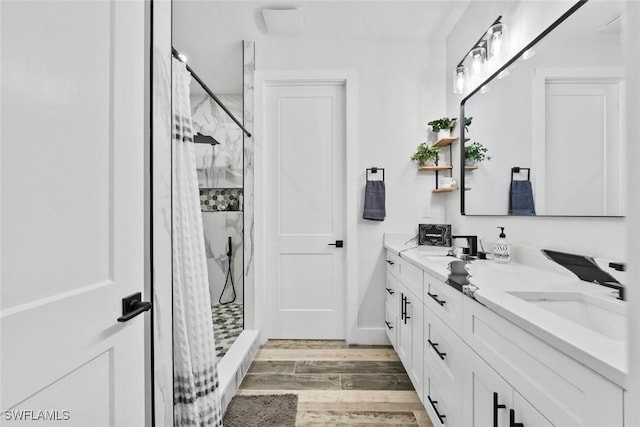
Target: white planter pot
444, 134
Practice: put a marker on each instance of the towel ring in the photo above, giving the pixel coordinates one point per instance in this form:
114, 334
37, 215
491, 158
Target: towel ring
517, 169
374, 170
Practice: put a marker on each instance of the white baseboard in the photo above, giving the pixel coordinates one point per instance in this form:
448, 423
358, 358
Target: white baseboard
368, 336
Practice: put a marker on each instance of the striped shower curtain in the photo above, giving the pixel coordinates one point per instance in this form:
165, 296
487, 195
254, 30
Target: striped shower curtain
195, 378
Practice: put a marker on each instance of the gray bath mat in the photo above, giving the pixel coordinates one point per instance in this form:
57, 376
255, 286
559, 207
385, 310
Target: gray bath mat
268, 410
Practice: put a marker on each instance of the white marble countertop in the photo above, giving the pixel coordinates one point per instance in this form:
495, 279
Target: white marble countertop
497, 284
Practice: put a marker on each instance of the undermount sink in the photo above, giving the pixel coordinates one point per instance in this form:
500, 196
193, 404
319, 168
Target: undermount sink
601, 314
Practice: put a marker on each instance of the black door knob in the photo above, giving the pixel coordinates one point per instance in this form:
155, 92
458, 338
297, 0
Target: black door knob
337, 244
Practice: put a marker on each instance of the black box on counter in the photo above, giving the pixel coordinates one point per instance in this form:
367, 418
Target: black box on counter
434, 234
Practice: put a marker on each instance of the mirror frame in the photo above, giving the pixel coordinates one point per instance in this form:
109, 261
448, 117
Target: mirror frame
517, 56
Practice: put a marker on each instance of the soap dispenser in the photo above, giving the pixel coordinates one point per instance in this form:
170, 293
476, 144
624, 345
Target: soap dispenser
502, 248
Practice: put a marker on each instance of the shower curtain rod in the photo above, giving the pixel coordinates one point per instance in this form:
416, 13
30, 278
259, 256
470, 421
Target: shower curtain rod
176, 55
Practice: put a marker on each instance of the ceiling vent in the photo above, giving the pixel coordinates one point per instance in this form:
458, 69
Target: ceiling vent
283, 22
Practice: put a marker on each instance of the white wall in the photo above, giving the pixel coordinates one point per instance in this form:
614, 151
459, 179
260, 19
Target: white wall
602, 237
400, 87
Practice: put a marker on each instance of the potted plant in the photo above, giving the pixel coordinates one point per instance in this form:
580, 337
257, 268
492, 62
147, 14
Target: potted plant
443, 126
426, 155
474, 153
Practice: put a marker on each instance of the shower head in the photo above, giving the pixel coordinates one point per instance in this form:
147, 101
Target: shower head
204, 139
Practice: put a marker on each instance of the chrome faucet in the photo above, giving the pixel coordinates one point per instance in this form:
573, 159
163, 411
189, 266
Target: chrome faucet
472, 241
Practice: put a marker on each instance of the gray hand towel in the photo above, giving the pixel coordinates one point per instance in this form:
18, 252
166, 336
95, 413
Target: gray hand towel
374, 201
521, 198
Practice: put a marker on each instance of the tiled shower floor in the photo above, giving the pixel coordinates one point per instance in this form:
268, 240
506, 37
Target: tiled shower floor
227, 325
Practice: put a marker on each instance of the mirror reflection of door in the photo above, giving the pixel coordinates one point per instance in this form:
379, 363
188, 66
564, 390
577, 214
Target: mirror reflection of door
582, 147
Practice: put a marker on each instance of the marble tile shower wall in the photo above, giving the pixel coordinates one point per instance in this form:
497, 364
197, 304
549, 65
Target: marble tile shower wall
220, 199
218, 227
219, 166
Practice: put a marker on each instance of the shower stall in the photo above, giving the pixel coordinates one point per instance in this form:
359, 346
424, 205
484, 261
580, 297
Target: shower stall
219, 165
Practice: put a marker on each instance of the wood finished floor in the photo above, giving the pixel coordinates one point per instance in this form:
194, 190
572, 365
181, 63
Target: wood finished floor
337, 384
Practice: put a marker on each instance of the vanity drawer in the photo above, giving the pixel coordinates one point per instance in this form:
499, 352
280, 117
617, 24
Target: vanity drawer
444, 301
440, 406
393, 263
443, 350
411, 277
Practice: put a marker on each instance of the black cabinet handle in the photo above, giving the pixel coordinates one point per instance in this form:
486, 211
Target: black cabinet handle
391, 292
388, 325
406, 316
433, 405
434, 346
402, 307
133, 306
435, 298
338, 244
512, 419
619, 266
496, 406
390, 262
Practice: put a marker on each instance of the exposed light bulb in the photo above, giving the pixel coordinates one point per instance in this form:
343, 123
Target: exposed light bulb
182, 58
459, 79
496, 45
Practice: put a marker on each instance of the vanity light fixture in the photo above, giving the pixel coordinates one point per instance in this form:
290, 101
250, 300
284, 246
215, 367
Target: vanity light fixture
472, 68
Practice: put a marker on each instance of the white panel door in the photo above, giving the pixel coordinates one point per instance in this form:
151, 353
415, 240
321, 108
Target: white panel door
304, 145
584, 114
72, 212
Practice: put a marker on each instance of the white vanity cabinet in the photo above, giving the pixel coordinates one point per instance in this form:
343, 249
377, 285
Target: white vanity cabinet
404, 315
549, 387
474, 368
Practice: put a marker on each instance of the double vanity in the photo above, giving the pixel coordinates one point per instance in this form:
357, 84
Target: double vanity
522, 344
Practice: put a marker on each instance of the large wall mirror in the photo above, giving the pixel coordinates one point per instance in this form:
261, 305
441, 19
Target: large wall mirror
553, 123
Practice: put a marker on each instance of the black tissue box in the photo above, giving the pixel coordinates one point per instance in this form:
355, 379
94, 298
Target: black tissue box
434, 234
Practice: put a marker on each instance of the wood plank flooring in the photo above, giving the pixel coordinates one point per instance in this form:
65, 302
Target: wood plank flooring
337, 384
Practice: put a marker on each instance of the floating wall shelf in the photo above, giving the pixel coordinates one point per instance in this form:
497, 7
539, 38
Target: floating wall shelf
434, 168
447, 141
445, 189
471, 168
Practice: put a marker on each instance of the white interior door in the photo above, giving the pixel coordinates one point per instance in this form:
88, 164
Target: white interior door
582, 114
72, 217
304, 145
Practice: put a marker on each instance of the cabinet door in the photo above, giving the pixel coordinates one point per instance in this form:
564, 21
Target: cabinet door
487, 397
391, 324
404, 332
526, 414
415, 313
